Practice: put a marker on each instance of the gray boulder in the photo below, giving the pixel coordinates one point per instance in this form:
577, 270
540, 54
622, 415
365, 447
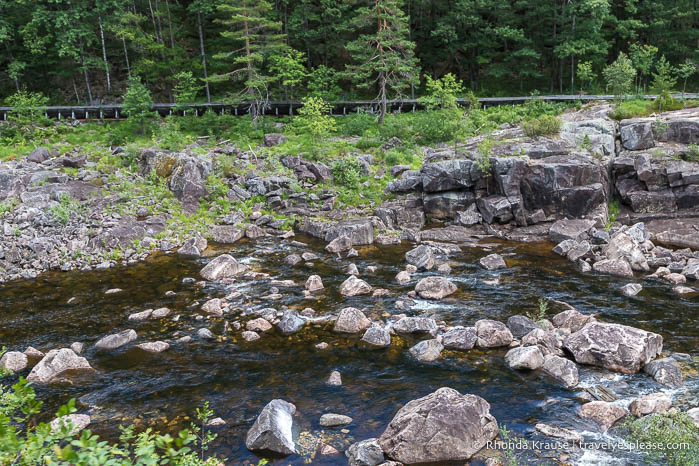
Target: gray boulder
492, 262
441, 427
339, 244
14, 361
623, 245
271, 431
415, 325
614, 347
354, 286
334, 420
572, 320
365, 453
291, 322
117, 340
649, 404
570, 229
377, 336
492, 334
57, 363
460, 338
603, 412
561, 369
618, 267
524, 357
226, 234
39, 155
222, 267
193, 247
427, 350
435, 288
351, 320
274, 139
520, 325
636, 134
421, 257
666, 371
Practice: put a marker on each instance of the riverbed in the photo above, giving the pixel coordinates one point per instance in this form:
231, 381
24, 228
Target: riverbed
238, 378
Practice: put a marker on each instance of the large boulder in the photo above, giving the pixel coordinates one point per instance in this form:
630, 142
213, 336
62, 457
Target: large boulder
572, 229
649, 404
623, 245
520, 325
271, 431
561, 369
421, 257
449, 175
14, 361
435, 288
415, 325
492, 262
39, 155
57, 363
291, 322
666, 371
440, 427
377, 336
636, 134
613, 346
116, 340
351, 320
491, 334
603, 412
572, 320
365, 453
224, 266
460, 338
427, 350
226, 234
524, 357
354, 286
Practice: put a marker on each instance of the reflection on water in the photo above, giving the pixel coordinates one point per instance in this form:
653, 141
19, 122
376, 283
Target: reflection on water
239, 378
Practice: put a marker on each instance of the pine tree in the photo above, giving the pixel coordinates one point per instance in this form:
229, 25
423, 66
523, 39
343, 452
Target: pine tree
254, 36
384, 56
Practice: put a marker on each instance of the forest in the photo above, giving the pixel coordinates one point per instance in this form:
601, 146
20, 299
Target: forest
84, 51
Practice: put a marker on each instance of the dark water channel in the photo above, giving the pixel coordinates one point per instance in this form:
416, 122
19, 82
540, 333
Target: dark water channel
239, 378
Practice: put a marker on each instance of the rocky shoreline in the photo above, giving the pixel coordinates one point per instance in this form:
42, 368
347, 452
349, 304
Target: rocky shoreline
554, 189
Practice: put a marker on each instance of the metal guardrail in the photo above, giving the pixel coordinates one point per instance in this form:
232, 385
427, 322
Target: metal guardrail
279, 108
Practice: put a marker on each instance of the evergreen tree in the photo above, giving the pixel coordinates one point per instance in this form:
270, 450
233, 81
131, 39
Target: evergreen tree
255, 36
384, 57
620, 76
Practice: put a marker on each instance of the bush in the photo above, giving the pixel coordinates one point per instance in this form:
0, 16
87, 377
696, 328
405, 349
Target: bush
27, 113
22, 441
356, 125
346, 172
170, 137
314, 118
666, 429
138, 104
541, 126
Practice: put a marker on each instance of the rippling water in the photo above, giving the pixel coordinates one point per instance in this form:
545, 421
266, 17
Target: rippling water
239, 378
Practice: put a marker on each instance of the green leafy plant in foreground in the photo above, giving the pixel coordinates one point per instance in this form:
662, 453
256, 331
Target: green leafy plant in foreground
540, 314
675, 431
24, 442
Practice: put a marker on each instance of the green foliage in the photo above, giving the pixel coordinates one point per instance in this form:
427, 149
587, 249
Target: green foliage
356, 124
485, 152
442, 93
541, 126
289, 70
620, 76
323, 83
138, 104
24, 442
26, 115
66, 206
509, 456
663, 82
669, 429
585, 74
186, 88
685, 71
540, 314
642, 57
314, 118
169, 135
347, 172
613, 211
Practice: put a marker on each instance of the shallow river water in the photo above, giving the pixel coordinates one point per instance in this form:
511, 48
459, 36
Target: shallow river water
239, 378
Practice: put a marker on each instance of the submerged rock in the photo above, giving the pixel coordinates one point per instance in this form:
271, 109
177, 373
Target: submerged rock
567, 435
631, 289
57, 363
314, 283
614, 347
271, 431
334, 420
291, 322
440, 427
335, 379
435, 288
154, 346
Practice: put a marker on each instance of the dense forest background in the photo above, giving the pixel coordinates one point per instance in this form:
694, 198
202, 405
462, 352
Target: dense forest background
80, 51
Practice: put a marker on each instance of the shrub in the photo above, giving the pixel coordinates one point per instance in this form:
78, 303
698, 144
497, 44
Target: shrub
24, 442
323, 83
314, 118
543, 125
170, 137
668, 429
620, 76
186, 89
138, 104
346, 172
356, 125
27, 113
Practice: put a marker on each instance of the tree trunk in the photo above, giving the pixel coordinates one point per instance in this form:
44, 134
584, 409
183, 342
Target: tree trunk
104, 57
169, 24
126, 56
203, 57
87, 79
382, 97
